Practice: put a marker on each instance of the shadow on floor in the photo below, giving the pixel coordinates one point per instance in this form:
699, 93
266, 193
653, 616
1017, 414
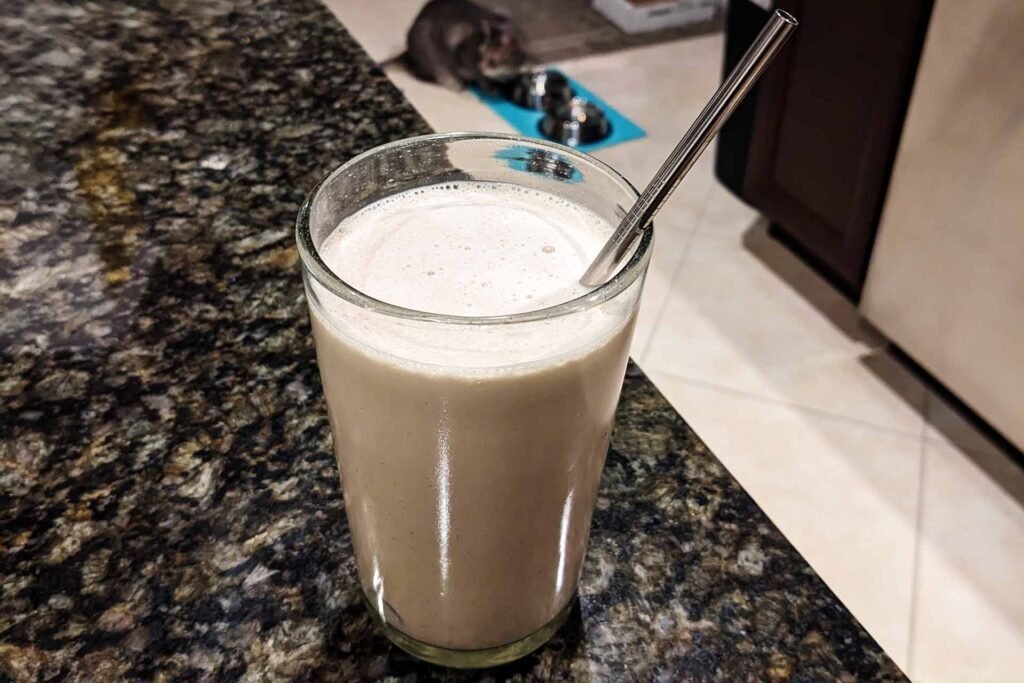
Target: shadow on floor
974, 549
940, 409
803, 280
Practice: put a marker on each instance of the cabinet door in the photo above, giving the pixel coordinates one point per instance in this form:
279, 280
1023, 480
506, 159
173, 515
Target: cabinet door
828, 120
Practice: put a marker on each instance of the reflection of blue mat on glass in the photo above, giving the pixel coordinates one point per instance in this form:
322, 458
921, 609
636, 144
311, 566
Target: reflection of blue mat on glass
527, 121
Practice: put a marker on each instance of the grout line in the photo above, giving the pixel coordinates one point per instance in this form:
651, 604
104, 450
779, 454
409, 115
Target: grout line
675, 275
918, 534
818, 412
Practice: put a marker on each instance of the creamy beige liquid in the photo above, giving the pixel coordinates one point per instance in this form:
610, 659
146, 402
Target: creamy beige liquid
470, 457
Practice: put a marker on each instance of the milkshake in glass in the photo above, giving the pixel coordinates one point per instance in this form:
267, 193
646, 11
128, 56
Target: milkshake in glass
471, 381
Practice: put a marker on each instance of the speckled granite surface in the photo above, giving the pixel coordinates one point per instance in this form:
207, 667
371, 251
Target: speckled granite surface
169, 509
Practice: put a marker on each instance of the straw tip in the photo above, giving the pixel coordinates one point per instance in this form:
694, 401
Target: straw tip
786, 17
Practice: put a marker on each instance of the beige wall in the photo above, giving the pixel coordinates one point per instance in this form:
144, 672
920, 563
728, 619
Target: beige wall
946, 279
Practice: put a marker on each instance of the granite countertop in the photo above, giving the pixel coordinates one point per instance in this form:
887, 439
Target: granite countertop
169, 507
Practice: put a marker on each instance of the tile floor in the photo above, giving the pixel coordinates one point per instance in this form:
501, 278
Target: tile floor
910, 515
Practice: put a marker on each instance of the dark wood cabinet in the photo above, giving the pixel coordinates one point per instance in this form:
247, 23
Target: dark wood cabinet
827, 123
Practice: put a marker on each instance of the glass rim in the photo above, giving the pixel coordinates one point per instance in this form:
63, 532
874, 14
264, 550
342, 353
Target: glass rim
315, 265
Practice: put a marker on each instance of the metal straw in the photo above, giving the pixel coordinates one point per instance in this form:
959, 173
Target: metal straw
704, 128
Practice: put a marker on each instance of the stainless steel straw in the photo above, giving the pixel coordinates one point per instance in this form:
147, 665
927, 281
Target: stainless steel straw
704, 128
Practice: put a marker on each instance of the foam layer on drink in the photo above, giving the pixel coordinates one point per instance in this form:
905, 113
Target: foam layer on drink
469, 249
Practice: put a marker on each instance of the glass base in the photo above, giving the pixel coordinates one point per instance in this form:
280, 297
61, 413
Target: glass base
472, 659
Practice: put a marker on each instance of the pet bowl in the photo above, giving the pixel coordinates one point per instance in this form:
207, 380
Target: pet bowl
576, 122
541, 89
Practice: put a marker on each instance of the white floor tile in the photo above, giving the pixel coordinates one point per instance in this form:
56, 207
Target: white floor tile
728, 217
379, 26
447, 110
664, 113
969, 606
732, 320
672, 234
844, 494
661, 88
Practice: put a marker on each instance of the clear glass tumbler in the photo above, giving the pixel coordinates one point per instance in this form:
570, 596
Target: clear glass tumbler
470, 458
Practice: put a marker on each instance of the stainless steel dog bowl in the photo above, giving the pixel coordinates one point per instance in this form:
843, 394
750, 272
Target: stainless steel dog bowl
576, 122
541, 89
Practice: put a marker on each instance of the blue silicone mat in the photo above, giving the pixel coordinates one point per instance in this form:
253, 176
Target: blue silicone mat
527, 121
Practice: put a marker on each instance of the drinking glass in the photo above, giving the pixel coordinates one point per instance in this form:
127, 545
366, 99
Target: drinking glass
470, 448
